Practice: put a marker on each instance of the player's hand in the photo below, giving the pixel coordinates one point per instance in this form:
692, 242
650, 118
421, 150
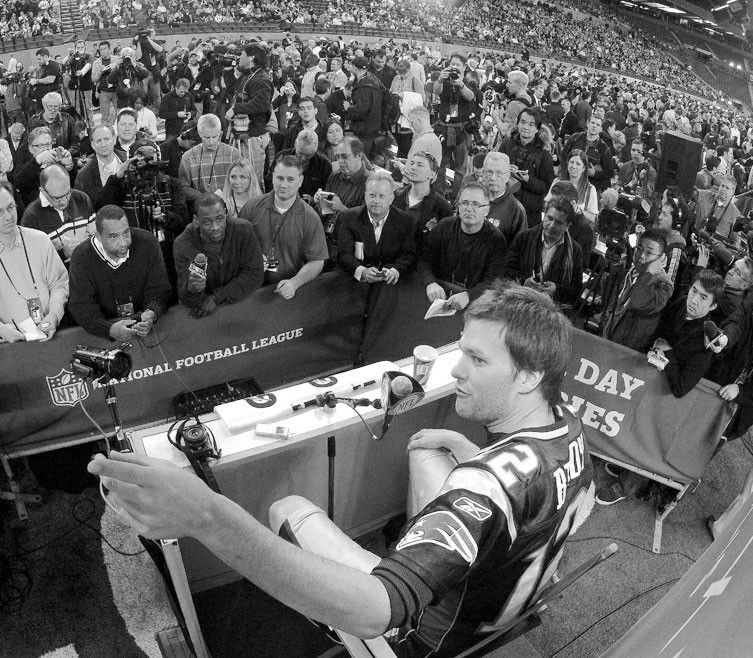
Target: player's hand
441, 439
122, 331
729, 392
434, 291
286, 288
703, 255
156, 498
661, 345
196, 282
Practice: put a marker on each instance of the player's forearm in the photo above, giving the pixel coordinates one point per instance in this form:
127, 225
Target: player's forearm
337, 595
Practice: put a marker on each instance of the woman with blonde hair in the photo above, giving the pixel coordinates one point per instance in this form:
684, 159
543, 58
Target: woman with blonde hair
240, 186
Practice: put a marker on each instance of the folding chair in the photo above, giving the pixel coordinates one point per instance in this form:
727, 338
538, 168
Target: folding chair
524, 622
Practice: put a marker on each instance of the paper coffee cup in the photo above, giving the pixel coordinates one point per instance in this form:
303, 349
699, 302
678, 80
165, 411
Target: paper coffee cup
424, 357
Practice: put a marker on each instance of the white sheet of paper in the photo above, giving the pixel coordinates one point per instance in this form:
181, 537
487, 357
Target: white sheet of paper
30, 330
438, 309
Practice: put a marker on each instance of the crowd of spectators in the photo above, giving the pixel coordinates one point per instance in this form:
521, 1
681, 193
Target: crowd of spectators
565, 30
286, 159
23, 19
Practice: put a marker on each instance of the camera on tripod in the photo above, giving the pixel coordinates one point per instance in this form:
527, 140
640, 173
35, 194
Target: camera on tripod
102, 364
613, 229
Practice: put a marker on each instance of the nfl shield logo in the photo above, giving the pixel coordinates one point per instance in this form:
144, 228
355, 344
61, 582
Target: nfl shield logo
67, 389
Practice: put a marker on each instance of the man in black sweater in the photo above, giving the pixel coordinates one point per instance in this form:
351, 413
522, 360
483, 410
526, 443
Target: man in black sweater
118, 282
234, 267
464, 254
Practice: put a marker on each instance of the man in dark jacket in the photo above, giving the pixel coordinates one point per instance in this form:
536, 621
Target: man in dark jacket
464, 254
365, 107
253, 99
126, 75
65, 215
61, 126
118, 282
234, 267
530, 164
376, 242
600, 160
177, 108
546, 258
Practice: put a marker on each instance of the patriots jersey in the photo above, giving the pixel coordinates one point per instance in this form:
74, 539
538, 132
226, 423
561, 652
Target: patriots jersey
482, 550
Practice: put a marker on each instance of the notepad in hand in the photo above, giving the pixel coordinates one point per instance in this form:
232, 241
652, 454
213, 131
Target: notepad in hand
438, 309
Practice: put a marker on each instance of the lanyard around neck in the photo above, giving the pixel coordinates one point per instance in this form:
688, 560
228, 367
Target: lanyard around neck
31, 273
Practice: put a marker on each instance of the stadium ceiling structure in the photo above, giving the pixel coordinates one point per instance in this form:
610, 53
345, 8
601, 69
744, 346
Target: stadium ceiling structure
716, 17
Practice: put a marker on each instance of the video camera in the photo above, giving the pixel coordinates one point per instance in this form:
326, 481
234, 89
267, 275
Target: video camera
12, 78
141, 34
613, 229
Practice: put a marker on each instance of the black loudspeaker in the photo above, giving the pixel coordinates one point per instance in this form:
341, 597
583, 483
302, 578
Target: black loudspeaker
680, 162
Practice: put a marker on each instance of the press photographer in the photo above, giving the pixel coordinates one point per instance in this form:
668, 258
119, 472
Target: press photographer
47, 77
101, 69
252, 104
79, 63
150, 55
126, 75
14, 87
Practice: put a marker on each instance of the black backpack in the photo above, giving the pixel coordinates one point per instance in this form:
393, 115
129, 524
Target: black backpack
390, 108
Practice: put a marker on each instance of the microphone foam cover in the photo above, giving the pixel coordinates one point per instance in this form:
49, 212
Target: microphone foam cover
200, 259
401, 386
711, 330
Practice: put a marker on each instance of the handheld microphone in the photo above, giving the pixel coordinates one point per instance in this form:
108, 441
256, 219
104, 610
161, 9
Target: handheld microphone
400, 392
199, 265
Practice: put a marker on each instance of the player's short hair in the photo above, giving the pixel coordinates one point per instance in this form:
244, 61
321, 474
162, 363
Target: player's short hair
537, 335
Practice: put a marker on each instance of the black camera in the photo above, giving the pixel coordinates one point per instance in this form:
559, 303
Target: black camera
102, 364
141, 34
454, 74
613, 229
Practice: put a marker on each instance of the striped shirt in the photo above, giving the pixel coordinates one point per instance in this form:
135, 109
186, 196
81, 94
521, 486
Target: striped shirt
203, 171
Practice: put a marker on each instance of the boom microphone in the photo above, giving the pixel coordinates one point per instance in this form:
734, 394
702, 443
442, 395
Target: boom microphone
400, 392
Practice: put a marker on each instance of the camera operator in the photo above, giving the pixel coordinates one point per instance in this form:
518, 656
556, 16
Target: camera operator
118, 283
149, 53
177, 108
101, 69
716, 213
14, 86
151, 199
457, 102
252, 98
43, 153
47, 77
126, 75
80, 64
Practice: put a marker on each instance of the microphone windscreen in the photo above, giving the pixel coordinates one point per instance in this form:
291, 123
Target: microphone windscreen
722, 254
401, 386
711, 330
200, 259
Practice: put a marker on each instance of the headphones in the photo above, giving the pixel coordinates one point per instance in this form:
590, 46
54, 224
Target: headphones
196, 441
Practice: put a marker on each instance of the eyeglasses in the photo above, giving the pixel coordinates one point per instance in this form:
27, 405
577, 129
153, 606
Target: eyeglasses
43, 145
343, 156
471, 204
57, 199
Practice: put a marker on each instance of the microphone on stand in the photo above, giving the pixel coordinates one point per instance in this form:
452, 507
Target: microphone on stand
400, 392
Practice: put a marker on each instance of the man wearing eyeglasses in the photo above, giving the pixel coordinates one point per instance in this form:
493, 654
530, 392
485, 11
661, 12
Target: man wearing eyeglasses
42, 153
60, 124
463, 254
65, 215
505, 212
